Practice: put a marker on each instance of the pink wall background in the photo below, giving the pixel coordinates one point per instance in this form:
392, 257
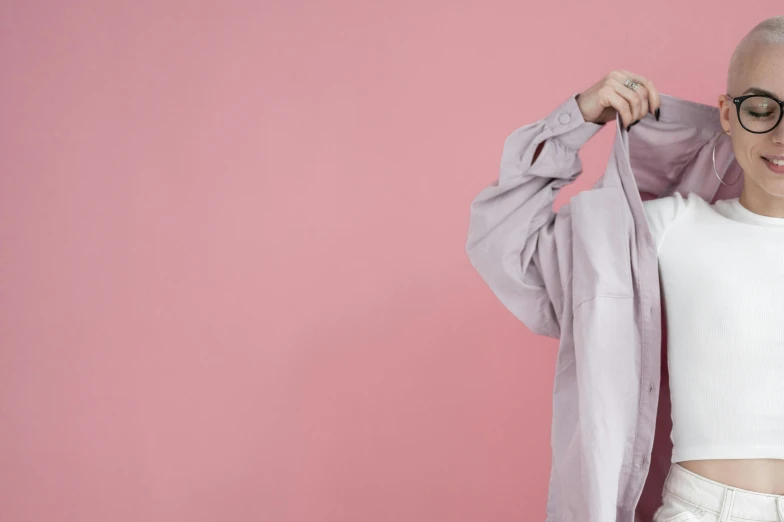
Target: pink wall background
233, 283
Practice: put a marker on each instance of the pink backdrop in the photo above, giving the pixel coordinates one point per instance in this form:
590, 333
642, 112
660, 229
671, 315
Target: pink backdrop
232, 250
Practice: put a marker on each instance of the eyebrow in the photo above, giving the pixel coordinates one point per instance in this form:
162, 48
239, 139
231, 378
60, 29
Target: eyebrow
758, 90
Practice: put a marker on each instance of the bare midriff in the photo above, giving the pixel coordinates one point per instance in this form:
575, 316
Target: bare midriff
758, 475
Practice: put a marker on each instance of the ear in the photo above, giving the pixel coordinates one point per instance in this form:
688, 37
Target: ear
725, 111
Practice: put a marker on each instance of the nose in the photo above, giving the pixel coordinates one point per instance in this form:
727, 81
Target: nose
777, 134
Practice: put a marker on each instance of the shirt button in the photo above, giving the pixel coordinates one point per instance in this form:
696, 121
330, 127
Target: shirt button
564, 118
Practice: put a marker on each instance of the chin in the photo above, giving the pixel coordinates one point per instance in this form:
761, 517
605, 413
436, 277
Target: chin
770, 183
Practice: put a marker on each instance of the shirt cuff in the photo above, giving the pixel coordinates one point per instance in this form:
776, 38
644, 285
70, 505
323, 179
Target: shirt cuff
567, 125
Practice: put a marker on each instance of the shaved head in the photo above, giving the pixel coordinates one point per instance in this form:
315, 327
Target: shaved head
766, 33
757, 68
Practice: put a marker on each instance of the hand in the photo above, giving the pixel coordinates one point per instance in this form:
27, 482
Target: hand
609, 96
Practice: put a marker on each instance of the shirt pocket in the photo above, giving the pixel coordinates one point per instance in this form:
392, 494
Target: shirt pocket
601, 262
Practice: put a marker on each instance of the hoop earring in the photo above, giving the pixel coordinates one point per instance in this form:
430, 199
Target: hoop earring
714, 165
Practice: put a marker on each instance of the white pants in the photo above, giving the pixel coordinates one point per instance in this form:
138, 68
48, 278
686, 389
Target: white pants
689, 496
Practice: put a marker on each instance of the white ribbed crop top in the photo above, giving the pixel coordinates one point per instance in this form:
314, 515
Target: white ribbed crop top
722, 272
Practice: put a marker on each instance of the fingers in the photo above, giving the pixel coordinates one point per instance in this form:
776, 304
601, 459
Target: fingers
651, 95
637, 100
619, 100
640, 102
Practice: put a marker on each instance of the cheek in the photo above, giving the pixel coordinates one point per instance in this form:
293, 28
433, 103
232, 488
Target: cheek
747, 154
747, 149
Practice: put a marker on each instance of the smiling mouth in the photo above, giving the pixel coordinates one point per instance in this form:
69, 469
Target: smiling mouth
772, 167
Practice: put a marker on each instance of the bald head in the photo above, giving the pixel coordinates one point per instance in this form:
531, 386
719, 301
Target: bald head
764, 34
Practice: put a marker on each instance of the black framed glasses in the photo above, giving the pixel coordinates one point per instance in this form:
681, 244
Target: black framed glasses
758, 113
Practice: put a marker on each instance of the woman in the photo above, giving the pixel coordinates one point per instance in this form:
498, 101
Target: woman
588, 276
727, 386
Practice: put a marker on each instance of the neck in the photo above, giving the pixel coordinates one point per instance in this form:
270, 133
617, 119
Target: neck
760, 201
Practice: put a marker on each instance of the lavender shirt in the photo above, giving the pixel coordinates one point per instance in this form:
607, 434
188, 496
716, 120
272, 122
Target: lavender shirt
588, 276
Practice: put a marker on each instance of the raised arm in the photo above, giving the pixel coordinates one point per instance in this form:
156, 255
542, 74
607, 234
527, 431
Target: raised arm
514, 235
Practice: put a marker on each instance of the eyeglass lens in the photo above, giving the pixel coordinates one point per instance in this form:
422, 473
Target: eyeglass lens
759, 114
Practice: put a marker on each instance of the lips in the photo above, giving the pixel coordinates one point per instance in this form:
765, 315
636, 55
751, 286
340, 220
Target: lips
776, 169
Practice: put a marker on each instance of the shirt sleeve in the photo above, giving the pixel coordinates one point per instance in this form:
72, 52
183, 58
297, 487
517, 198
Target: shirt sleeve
516, 241
661, 212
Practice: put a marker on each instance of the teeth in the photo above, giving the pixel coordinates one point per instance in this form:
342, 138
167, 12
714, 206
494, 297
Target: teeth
780, 163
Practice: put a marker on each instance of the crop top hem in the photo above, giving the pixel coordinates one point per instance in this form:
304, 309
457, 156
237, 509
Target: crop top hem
727, 452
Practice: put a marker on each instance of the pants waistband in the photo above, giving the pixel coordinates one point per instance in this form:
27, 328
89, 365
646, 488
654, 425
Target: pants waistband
725, 501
